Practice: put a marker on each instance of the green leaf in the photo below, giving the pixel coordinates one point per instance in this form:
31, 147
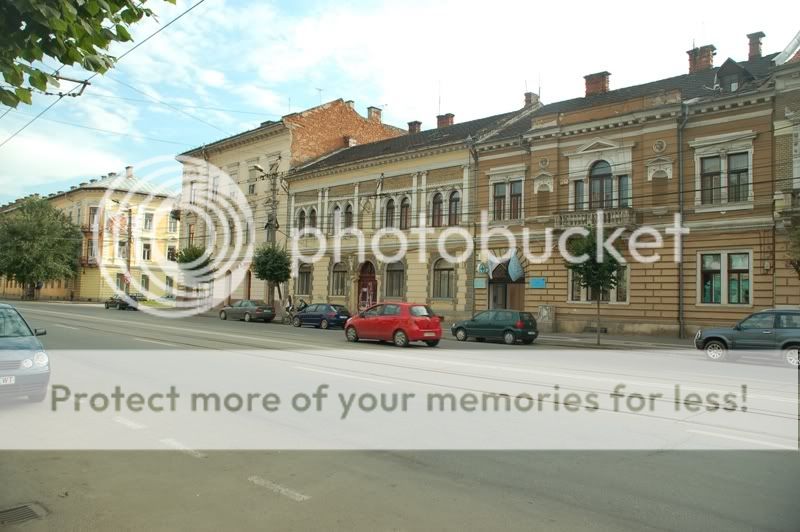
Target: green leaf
122, 33
8, 98
38, 80
57, 24
24, 95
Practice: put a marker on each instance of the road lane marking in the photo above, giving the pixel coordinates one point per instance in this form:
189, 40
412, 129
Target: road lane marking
744, 440
159, 342
128, 423
280, 490
346, 375
66, 326
178, 446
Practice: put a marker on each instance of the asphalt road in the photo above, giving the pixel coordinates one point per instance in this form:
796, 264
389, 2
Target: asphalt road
378, 489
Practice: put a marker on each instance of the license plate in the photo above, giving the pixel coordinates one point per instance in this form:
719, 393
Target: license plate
430, 334
530, 332
7, 380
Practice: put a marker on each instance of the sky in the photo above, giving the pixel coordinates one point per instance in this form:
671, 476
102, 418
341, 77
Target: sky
229, 65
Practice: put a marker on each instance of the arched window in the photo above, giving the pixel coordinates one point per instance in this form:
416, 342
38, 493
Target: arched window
312, 218
436, 211
336, 219
405, 214
601, 187
389, 214
303, 284
454, 208
339, 279
395, 273
301, 220
443, 280
348, 216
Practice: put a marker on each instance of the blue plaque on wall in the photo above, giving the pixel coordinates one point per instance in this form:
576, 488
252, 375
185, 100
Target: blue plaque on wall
538, 282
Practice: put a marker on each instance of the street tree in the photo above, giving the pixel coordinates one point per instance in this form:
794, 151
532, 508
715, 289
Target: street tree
597, 276
794, 249
195, 264
37, 32
273, 264
38, 243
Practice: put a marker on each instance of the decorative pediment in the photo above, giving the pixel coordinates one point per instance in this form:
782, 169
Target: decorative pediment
598, 144
659, 168
543, 182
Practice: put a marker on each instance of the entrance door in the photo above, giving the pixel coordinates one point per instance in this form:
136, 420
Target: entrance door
367, 286
505, 293
498, 295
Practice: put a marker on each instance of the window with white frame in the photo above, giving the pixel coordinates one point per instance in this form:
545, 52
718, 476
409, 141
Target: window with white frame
499, 201
724, 278
91, 249
148, 221
172, 225
93, 217
303, 283
145, 283
339, 279
147, 251
454, 208
395, 274
388, 220
172, 253
169, 286
405, 213
581, 294
723, 170
579, 195
443, 280
437, 210
122, 249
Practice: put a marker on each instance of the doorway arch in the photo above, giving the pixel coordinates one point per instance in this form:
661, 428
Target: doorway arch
367, 285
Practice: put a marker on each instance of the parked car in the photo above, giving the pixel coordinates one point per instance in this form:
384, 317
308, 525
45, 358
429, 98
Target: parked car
248, 310
510, 326
322, 315
400, 323
124, 301
24, 364
773, 332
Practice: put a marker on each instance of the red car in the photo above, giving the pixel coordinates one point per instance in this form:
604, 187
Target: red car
400, 323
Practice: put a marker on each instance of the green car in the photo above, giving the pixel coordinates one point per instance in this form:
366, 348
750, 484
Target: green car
510, 326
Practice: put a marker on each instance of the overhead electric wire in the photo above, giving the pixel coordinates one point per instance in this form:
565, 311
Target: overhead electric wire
61, 96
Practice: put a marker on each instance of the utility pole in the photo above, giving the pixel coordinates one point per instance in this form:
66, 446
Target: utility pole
128, 247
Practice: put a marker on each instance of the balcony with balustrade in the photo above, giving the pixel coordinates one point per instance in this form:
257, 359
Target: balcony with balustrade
625, 217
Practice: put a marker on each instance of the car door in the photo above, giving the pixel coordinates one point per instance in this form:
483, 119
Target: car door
248, 307
387, 322
756, 332
368, 325
236, 310
501, 321
480, 325
308, 315
787, 328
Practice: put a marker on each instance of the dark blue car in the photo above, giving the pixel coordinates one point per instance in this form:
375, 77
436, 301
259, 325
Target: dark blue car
24, 365
323, 315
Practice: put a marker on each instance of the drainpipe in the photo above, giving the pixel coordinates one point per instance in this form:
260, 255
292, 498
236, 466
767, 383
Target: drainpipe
473, 173
681, 281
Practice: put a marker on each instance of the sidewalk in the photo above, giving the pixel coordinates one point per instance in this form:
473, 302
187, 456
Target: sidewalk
608, 341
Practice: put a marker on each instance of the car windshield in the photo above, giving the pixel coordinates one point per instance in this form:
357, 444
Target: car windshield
12, 325
258, 302
420, 310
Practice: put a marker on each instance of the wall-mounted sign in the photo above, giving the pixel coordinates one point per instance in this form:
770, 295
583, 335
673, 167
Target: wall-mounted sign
479, 283
538, 282
482, 268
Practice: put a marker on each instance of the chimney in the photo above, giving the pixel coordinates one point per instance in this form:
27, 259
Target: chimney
112, 175
444, 120
414, 126
129, 172
351, 104
596, 83
374, 114
531, 98
349, 141
755, 45
701, 58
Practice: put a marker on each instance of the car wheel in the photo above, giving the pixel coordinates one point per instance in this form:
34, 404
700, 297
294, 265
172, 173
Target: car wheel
461, 335
400, 339
106, 306
324, 324
247, 317
38, 397
509, 338
296, 322
716, 350
792, 355
432, 343
351, 334
223, 315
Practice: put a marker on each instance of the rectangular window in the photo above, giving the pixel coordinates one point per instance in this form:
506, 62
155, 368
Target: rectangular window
93, 219
122, 249
618, 294
622, 285
602, 192
624, 191
304, 282
499, 201
711, 278
148, 221
147, 251
173, 225
169, 286
515, 212
145, 283
193, 193
710, 181
739, 278
575, 288
120, 282
394, 282
91, 251
789, 321
339, 282
738, 177
172, 254
190, 238
579, 195
251, 189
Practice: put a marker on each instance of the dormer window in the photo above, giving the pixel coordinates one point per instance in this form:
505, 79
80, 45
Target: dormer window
730, 83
